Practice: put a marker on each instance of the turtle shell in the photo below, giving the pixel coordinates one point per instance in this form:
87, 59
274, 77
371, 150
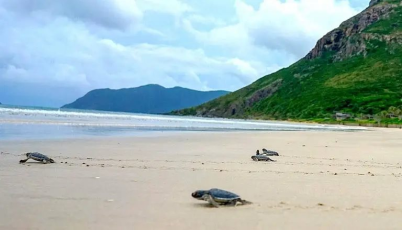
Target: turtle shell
223, 196
38, 156
260, 157
270, 152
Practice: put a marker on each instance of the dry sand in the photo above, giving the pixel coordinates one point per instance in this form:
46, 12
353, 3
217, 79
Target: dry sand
321, 180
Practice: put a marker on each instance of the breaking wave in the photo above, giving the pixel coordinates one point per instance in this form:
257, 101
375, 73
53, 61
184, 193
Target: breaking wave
46, 116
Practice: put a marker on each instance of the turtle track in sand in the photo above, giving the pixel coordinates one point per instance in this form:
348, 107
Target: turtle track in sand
341, 167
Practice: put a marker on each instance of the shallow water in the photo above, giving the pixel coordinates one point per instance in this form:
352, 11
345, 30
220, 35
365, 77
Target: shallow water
44, 123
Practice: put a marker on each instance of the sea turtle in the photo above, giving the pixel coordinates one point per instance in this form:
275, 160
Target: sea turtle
218, 197
259, 157
269, 152
38, 157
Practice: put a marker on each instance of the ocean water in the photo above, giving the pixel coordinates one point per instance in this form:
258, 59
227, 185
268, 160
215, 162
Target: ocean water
45, 123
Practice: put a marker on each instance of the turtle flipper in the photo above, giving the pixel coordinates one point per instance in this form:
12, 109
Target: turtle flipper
269, 159
23, 161
51, 160
212, 201
244, 202
236, 202
233, 203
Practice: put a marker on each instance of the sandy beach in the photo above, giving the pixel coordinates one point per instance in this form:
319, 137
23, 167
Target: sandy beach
321, 180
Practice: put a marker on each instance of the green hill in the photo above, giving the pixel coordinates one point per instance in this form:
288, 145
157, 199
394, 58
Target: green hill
143, 99
356, 68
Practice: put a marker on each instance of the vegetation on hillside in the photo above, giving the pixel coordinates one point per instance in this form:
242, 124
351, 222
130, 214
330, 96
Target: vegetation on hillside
367, 83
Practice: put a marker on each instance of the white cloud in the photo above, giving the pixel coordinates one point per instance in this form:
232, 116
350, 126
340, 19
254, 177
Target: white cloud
294, 26
64, 53
227, 36
288, 26
245, 69
205, 20
173, 7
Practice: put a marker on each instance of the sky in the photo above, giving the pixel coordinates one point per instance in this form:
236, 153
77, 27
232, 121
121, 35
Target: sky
53, 52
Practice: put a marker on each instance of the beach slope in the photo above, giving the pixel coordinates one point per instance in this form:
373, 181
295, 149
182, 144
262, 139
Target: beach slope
321, 180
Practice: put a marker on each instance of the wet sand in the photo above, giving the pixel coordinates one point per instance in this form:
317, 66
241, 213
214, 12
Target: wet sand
321, 180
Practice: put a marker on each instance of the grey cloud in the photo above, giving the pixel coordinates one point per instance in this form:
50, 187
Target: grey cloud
297, 44
114, 14
292, 26
61, 58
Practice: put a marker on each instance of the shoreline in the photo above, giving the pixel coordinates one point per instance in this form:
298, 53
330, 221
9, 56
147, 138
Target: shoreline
350, 124
37, 130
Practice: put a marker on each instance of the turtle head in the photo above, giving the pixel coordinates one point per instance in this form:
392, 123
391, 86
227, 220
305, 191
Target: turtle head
198, 194
258, 152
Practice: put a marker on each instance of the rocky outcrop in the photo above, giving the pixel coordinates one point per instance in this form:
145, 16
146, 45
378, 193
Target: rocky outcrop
233, 109
263, 93
238, 108
343, 41
373, 2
